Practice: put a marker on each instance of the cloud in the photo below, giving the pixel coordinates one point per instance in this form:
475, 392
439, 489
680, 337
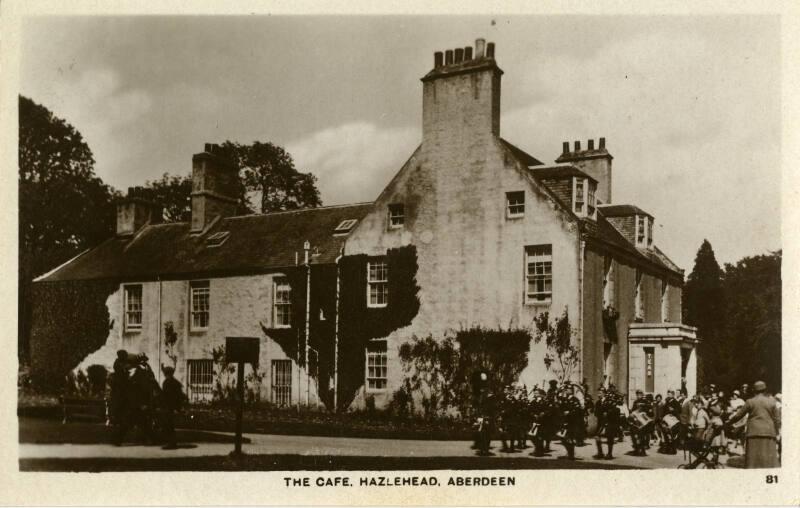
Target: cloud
99, 107
354, 161
686, 122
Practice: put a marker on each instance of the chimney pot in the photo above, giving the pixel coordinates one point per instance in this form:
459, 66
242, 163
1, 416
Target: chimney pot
208, 148
490, 50
130, 192
591, 145
448, 57
437, 59
602, 143
565, 147
459, 55
480, 47
468, 53
577, 146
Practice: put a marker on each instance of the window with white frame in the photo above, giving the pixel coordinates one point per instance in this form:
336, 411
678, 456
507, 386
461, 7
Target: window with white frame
608, 282
281, 303
133, 307
641, 230
591, 202
377, 283
200, 379
539, 274
638, 305
397, 215
515, 204
579, 196
664, 300
200, 304
377, 370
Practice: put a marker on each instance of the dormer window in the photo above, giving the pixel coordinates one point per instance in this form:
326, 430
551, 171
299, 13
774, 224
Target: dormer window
584, 202
641, 230
579, 196
397, 215
515, 204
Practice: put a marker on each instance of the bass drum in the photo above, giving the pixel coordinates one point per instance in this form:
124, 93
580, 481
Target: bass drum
671, 423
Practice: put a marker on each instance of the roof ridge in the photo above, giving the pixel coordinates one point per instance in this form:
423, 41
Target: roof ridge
298, 210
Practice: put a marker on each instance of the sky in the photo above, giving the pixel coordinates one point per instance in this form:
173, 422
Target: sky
689, 106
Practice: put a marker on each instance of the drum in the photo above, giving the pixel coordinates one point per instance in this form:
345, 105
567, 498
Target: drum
591, 425
671, 422
641, 422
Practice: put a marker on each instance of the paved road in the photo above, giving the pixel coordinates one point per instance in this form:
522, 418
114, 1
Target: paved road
265, 444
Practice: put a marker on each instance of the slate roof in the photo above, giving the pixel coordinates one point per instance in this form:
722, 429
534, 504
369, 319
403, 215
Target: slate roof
257, 243
621, 210
551, 172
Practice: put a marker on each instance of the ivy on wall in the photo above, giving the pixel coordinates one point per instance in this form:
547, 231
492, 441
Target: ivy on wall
70, 321
358, 324
439, 372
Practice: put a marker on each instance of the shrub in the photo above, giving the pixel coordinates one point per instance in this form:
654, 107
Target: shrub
97, 376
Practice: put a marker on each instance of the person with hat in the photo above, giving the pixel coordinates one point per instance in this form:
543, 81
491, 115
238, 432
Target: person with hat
538, 412
763, 428
172, 398
572, 418
608, 422
119, 395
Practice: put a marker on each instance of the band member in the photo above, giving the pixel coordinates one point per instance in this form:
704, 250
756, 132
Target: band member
538, 410
608, 422
172, 398
551, 420
572, 417
671, 414
640, 434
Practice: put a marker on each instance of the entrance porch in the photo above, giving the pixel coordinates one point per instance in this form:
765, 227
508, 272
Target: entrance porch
661, 357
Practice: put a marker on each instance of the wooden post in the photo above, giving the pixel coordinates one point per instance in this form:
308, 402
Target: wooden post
240, 408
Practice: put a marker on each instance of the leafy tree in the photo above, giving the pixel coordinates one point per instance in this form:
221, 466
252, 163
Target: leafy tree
268, 170
64, 207
174, 193
562, 353
753, 319
704, 307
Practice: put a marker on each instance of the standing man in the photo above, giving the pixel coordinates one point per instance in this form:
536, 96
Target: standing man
608, 422
572, 413
171, 400
763, 428
672, 408
120, 403
538, 410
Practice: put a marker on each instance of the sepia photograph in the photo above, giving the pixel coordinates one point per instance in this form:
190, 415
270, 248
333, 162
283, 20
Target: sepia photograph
416, 250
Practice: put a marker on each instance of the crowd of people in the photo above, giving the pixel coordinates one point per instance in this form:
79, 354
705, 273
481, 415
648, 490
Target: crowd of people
137, 401
709, 423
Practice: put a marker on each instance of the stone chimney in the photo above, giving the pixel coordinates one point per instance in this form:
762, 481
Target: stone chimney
214, 185
594, 161
136, 210
461, 94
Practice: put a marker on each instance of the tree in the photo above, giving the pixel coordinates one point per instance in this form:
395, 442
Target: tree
64, 207
704, 307
753, 319
269, 171
562, 353
174, 193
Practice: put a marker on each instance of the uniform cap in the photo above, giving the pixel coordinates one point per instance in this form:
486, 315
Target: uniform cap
759, 386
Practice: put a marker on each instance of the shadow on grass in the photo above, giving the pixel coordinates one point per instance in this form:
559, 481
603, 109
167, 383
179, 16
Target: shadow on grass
304, 463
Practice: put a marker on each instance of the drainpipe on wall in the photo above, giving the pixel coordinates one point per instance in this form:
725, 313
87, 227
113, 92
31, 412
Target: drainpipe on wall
159, 329
581, 249
336, 337
306, 248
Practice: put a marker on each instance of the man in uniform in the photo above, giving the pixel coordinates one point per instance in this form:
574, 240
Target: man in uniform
672, 407
171, 400
608, 422
639, 435
572, 416
538, 410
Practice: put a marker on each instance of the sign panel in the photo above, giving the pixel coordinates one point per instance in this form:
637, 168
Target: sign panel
242, 349
649, 369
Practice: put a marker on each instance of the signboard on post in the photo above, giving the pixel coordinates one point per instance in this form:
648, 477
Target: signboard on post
241, 350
